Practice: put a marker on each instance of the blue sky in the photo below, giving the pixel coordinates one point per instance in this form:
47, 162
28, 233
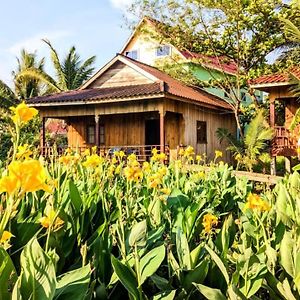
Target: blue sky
95, 27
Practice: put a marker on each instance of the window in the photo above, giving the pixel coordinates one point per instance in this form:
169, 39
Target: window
102, 135
201, 132
163, 50
91, 134
132, 54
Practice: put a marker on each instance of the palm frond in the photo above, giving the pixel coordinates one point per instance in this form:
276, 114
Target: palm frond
37, 74
57, 66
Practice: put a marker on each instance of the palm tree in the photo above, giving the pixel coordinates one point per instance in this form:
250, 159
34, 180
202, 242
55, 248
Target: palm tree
248, 151
70, 72
23, 87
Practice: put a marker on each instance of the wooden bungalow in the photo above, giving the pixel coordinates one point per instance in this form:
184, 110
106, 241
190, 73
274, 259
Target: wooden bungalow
283, 106
133, 106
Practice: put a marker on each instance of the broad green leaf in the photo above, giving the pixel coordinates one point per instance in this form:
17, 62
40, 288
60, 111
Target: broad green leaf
195, 253
183, 250
218, 262
286, 254
74, 284
138, 234
166, 295
160, 282
7, 274
126, 276
297, 272
196, 275
210, 293
38, 278
75, 196
151, 261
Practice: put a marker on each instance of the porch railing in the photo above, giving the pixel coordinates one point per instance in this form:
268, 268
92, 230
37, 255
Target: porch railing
143, 152
284, 143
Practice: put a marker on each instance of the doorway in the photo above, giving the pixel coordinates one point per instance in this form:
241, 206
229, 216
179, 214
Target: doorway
152, 132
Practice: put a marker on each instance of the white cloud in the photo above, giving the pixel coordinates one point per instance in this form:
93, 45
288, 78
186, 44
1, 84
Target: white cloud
121, 4
34, 43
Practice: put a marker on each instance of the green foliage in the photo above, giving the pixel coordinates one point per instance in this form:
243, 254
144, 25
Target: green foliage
248, 152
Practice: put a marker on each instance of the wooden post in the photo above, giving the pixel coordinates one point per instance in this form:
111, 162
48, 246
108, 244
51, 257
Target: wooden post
162, 129
287, 161
272, 112
97, 131
43, 135
273, 165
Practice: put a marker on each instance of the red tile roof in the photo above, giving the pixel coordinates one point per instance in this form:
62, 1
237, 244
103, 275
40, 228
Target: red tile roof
220, 63
166, 85
277, 77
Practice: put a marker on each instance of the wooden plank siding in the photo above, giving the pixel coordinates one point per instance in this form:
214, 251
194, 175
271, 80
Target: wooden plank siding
120, 75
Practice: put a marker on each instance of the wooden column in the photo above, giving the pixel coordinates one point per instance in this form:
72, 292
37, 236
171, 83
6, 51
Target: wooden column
97, 131
272, 124
43, 135
272, 111
162, 129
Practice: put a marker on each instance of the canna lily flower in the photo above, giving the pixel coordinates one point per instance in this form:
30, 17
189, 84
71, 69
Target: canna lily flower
27, 175
146, 167
93, 161
23, 152
166, 191
8, 184
254, 202
188, 152
133, 173
209, 221
51, 220
218, 154
6, 236
198, 158
23, 113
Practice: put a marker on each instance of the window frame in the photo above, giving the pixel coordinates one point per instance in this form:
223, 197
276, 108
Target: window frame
88, 136
201, 138
162, 54
132, 51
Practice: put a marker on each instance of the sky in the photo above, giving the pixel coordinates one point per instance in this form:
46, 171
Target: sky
94, 27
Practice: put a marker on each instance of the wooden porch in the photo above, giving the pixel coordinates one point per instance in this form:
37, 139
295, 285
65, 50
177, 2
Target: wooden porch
284, 142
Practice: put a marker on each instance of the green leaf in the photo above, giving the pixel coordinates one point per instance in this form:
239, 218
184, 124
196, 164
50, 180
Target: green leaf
166, 295
218, 262
126, 276
161, 282
74, 284
210, 293
196, 276
286, 254
75, 196
38, 278
138, 234
194, 254
183, 250
151, 261
7, 274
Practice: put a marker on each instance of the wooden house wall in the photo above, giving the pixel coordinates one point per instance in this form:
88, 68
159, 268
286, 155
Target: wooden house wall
77, 132
119, 75
214, 119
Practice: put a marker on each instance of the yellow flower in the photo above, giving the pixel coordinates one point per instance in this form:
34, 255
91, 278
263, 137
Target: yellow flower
93, 161
146, 167
114, 160
131, 157
87, 152
209, 221
218, 154
23, 113
238, 157
23, 152
133, 173
51, 219
69, 159
181, 152
28, 175
154, 180
6, 236
189, 151
8, 184
94, 149
198, 158
254, 202
154, 151
166, 191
